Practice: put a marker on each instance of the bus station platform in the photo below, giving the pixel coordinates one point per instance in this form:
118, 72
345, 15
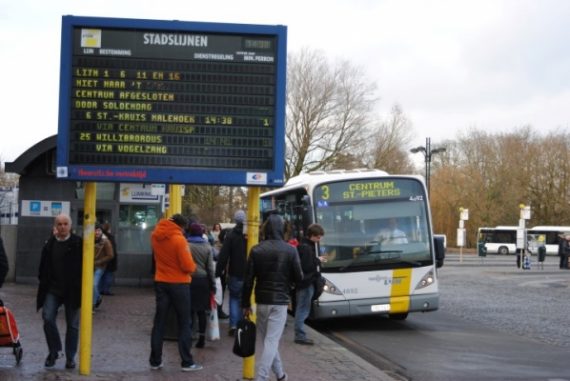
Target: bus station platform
121, 346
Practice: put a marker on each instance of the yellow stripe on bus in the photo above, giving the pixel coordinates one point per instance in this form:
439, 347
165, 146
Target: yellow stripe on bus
400, 292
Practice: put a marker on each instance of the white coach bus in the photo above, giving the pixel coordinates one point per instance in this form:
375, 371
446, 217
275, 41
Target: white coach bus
381, 256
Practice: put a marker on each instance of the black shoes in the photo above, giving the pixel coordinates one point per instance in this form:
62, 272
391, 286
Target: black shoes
232, 332
50, 360
98, 302
201, 341
304, 341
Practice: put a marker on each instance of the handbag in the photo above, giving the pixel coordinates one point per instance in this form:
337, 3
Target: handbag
213, 325
244, 339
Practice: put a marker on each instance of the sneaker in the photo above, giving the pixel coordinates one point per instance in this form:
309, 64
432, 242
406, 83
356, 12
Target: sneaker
231, 332
156, 367
69, 364
193, 367
98, 302
50, 360
304, 341
283, 378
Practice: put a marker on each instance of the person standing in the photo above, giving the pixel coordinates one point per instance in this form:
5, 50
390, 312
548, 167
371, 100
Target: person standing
564, 250
103, 255
218, 238
60, 275
234, 256
3, 263
174, 264
273, 266
203, 282
109, 275
305, 290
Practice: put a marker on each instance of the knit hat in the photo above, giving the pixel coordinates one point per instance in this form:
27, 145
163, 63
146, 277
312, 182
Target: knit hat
196, 230
179, 220
239, 216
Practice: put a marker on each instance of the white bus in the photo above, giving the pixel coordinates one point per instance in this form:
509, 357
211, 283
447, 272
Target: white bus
549, 236
499, 240
366, 273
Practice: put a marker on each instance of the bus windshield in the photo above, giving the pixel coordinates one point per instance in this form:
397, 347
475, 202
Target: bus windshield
373, 224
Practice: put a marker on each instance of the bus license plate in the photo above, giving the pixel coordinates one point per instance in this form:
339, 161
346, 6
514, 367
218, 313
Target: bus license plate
380, 308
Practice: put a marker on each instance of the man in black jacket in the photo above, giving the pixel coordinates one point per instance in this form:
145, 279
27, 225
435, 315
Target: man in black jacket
234, 255
273, 266
60, 283
310, 264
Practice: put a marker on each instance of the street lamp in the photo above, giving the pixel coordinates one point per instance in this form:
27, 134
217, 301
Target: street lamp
427, 152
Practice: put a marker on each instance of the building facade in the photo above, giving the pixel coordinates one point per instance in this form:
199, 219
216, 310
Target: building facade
132, 209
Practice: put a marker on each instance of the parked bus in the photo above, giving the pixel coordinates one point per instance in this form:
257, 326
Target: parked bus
503, 239
549, 236
499, 240
366, 271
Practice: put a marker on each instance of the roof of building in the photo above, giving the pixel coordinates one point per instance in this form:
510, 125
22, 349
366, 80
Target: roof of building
24, 160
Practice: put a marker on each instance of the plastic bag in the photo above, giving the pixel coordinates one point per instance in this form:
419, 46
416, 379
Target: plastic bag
213, 325
219, 292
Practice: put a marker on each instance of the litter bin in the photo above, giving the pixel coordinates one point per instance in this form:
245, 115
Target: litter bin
481, 249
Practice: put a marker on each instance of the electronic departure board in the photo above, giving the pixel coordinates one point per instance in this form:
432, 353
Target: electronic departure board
171, 102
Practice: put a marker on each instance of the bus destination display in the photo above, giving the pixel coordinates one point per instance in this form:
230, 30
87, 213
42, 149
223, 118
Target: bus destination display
166, 102
343, 191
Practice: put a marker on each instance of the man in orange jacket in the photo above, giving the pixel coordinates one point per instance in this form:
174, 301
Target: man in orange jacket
174, 264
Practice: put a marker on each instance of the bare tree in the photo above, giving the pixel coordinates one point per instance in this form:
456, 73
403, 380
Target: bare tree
389, 143
328, 111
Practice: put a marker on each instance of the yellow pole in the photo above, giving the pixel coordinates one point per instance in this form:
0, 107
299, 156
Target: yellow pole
86, 320
252, 240
175, 200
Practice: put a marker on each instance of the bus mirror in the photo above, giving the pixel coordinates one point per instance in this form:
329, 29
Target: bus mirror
439, 251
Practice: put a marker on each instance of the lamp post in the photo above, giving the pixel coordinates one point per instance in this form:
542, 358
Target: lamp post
427, 152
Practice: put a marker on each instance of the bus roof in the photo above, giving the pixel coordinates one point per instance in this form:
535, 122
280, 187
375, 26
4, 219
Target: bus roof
311, 179
551, 228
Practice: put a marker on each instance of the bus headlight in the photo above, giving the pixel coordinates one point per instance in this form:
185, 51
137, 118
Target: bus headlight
331, 288
427, 280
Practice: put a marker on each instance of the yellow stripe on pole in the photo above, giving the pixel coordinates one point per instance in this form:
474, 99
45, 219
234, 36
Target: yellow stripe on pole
400, 292
86, 321
175, 193
252, 240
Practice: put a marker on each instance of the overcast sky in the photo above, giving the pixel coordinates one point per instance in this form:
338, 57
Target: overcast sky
451, 65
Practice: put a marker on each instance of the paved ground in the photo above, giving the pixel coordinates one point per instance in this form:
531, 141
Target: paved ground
121, 341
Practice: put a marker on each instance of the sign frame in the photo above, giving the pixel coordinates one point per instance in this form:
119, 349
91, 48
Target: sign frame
171, 174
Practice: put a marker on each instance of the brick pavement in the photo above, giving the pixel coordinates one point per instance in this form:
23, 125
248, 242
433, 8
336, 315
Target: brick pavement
121, 345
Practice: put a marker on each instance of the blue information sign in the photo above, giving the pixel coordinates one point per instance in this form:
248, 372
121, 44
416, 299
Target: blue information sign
172, 102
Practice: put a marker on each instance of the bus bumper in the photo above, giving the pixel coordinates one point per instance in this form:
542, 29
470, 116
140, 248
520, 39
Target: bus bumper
363, 307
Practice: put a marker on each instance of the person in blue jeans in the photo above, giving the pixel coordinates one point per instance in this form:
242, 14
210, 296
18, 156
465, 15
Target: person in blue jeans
109, 275
60, 275
103, 255
310, 264
233, 255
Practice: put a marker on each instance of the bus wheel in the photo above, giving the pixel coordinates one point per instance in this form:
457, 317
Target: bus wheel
503, 250
401, 316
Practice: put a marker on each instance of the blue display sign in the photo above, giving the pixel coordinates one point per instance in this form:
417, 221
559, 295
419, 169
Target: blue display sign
172, 102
